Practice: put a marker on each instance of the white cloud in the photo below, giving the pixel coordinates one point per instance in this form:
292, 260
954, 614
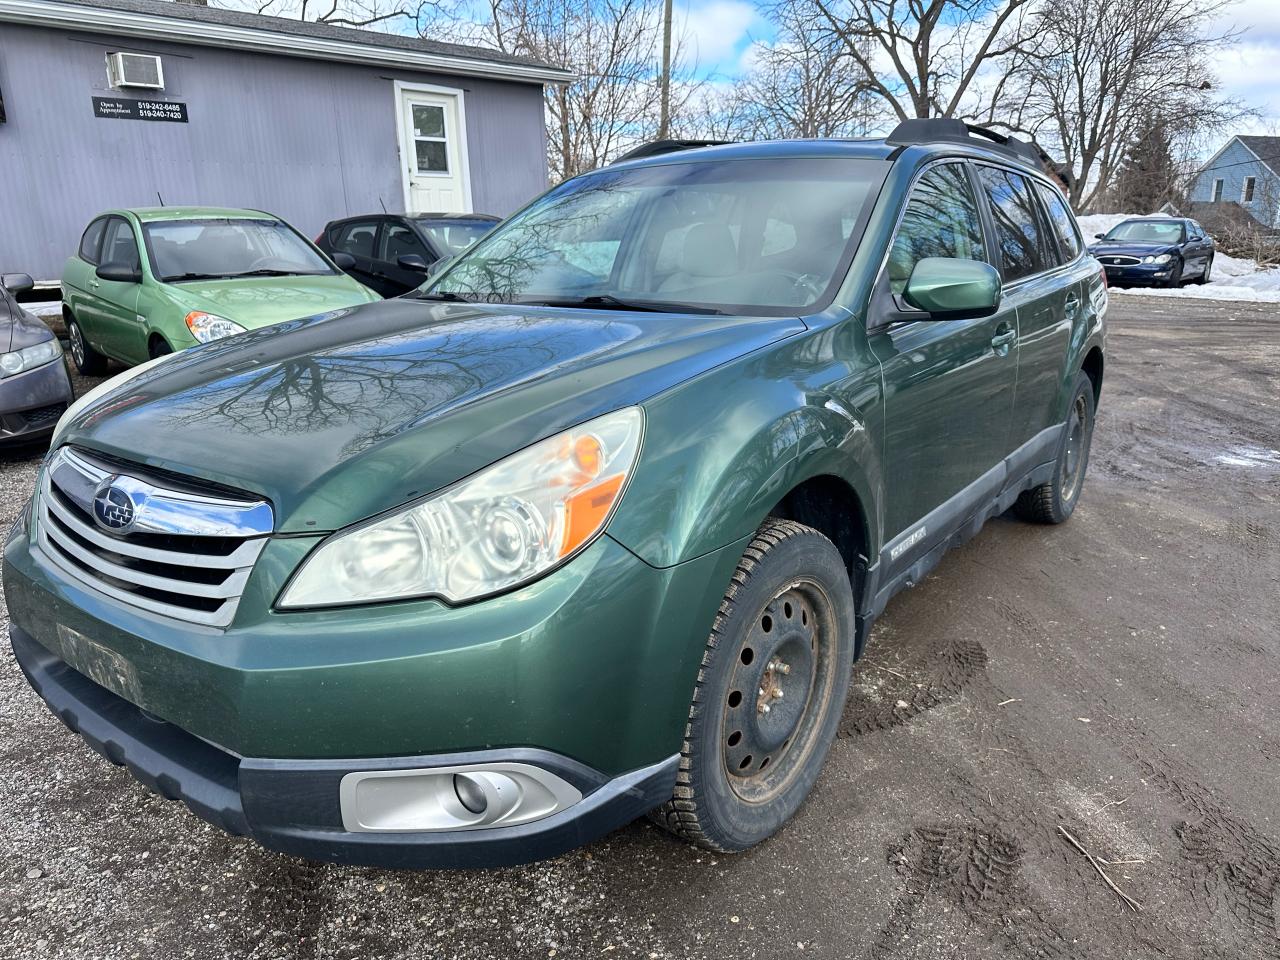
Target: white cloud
713, 32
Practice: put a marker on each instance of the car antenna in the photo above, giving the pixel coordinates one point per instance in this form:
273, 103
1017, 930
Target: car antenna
160, 198
383, 205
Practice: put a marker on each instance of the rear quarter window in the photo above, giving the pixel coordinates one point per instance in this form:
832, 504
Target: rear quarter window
1062, 221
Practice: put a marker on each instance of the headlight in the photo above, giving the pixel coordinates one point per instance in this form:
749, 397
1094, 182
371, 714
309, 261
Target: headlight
27, 358
206, 327
501, 527
1162, 258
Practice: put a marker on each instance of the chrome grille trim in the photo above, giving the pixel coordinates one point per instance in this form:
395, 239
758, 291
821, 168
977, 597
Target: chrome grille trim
114, 565
1119, 260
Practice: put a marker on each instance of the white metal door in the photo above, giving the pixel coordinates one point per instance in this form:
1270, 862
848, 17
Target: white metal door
434, 152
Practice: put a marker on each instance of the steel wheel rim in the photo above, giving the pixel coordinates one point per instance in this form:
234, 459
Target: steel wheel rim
77, 344
1074, 453
780, 687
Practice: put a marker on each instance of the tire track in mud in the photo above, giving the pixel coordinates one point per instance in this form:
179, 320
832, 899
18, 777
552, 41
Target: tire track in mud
977, 869
900, 701
1234, 867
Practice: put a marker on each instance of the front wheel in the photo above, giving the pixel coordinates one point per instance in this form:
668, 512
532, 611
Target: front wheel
1204, 275
1175, 274
88, 361
1055, 500
769, 694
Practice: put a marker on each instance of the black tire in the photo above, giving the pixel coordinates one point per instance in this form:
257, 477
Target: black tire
158, 346
1055, 501
88, 361
1175, 275
786, 624
1204, 274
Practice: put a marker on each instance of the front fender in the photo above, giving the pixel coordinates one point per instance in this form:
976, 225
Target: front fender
721, 451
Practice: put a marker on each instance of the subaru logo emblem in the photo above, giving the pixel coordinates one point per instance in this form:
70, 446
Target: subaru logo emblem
113, 508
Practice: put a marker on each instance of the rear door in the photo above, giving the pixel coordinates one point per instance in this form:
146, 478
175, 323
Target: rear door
80, 285
122, 331
1042, 288
949, 384
359, 238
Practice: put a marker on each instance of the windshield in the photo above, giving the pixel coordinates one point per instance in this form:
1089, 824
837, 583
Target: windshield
770, 237
225, 248
1147, 231
451, 237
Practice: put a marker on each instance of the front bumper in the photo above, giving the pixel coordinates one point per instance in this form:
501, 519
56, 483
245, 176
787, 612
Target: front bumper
1139, 274
292, 806
31, 402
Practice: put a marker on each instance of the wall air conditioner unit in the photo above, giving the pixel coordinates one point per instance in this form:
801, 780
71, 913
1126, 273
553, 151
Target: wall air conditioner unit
135, 70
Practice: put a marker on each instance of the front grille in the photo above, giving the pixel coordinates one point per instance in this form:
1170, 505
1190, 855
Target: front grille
182, 553
43, 415
1118, 261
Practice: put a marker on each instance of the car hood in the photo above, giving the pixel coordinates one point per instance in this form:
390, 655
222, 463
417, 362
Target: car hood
20, 329
255, 302
1130, 248
339, 417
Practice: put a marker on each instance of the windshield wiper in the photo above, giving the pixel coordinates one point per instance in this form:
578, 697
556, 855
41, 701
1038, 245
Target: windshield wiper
443, 295
606, 301
274, 273
194, 276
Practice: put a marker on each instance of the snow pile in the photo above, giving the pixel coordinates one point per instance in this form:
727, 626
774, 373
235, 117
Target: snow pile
1232, 278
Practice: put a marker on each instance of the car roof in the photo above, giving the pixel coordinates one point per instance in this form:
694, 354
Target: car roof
865, 149
449, 216
159, 214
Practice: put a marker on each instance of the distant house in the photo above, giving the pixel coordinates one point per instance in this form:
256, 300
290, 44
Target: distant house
127, 103
1244, 174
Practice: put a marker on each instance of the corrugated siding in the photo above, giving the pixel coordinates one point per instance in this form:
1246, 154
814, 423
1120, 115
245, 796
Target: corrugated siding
1234, 164
305, 139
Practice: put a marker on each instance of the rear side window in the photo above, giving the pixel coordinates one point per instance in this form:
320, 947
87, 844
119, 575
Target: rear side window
118, 244
1023, 239
356, 238
91, 242
941, 220
1063, 223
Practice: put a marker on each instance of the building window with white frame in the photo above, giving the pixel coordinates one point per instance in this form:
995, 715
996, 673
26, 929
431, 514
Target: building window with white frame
1246, 195
1217, 191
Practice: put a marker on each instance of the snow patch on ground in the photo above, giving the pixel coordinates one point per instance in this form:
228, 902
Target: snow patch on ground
1233, 278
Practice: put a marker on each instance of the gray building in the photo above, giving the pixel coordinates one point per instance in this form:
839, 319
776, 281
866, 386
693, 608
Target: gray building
1244, 174
127, 103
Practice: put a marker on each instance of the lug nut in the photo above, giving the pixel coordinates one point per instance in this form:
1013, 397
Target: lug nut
764, 708
777, 693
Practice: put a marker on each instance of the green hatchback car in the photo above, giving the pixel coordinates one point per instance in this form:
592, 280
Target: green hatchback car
592, 528
147, 282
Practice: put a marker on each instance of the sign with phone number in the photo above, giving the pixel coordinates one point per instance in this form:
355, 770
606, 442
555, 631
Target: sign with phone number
169, 111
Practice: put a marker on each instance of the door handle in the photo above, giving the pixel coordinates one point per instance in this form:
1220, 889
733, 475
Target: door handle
94, 284
1072, 307
1004, 339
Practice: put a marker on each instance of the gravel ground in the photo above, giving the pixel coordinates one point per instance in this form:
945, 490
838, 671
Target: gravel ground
1116, 678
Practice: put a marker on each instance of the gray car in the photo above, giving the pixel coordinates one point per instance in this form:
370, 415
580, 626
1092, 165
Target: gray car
35, 389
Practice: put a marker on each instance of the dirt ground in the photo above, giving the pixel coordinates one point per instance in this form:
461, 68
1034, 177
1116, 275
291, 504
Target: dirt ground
1115, 678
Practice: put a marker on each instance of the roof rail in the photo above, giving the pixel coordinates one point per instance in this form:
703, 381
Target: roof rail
657, 148
950, 130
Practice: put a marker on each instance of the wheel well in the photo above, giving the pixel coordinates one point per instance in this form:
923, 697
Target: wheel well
154, 339
831, 506
1092, 367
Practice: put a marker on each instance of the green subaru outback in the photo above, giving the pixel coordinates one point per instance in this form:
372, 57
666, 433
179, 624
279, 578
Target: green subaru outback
593, 527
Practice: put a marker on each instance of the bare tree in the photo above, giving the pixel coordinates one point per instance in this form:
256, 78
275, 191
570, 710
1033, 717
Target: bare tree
923, 58
345, 13
612, 46
799, 85
1105, 69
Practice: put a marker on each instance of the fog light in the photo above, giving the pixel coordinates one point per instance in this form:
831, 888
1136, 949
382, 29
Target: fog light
468, 797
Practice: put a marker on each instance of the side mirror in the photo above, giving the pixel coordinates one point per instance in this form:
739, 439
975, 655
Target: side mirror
950, 289
343, 261
17, 282
414, 262
119, 272
1099, 236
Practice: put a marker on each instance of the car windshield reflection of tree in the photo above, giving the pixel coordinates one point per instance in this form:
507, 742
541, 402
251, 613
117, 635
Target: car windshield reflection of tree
742, 237
382, 383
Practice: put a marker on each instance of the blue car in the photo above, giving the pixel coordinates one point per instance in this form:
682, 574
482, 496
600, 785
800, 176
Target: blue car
1155, 251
